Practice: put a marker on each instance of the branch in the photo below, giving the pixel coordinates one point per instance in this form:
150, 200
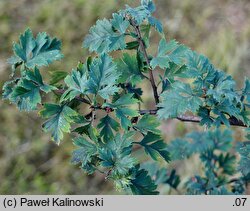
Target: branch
232, 120
184, 118
143, 49
195, 119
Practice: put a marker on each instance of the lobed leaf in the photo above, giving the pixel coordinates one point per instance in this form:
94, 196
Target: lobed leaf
122, 110
39, 51
60, 118
178, 100
107, 126
169, 52
155, 146
26, 93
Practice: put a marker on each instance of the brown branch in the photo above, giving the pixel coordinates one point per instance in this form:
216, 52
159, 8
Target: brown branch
232, 120
144, 51
184, 118
187, 118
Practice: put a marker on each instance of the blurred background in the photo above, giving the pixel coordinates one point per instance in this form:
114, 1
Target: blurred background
29, 162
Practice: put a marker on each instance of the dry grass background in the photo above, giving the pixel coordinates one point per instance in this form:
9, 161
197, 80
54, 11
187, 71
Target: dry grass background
29, 162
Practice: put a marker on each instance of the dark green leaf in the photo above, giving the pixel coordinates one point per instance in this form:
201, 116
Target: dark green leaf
107, 126
129, 70
122, 110
244, 164
148, 123
155, 146
142, 183
57, 76
59, 120
26, 94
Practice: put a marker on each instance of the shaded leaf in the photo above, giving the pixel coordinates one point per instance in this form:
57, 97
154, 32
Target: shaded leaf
122, 110
129, 70
142, 183
107, 126
155, 146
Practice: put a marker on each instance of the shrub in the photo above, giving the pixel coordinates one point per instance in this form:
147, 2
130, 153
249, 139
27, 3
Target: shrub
189, 88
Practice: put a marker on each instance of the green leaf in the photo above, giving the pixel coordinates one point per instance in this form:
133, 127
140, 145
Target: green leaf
8, 88
162, 175
26, 94
122, 110
177, 101
57, 76
226, 163
138, 14
175, 71
158, 175
84, 152
106, 35
98, 37
119, 23
149, 5
39, 51
129, 70
116, 154
200, 66
246, 90
59, 120
224, 88
148, 123
107, 126
200, 142
133, 45
221, 99
244, 151
129, 88
169, 52
142, 183
179, 149
156, 24
222, 140
155, 146
103, 77
77, 84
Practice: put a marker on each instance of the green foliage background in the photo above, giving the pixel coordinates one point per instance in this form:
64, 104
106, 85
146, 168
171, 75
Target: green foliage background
29, 162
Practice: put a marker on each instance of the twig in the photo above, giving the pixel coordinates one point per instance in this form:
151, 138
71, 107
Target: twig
143, 49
